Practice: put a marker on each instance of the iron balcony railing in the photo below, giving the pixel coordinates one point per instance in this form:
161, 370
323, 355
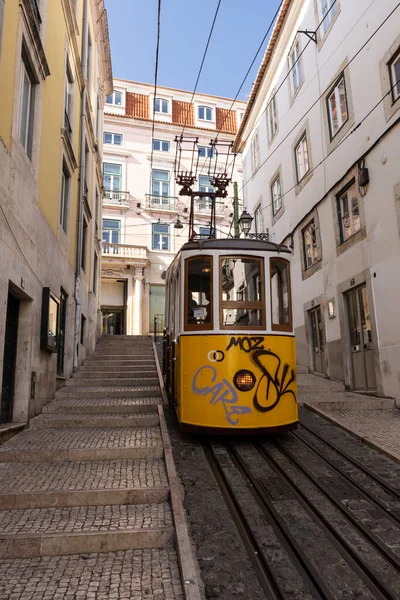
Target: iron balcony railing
67, 124
123, 250
36, 13
161, 202
117, 198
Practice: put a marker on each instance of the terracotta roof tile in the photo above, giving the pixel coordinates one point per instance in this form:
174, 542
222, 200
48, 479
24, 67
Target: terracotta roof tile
137, 105
226, 120
182, 112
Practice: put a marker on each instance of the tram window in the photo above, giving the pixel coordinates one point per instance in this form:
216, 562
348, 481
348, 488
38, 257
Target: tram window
198, 293
281, 316
242, 293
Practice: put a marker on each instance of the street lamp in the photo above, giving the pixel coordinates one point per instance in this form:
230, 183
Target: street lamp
178, 224
245, 222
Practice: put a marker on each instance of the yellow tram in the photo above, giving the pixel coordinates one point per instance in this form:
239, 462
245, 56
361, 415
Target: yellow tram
229, 346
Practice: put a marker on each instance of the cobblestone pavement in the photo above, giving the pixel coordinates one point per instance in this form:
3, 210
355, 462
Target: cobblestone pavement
53, 490
132, 575
85, 519
375, 420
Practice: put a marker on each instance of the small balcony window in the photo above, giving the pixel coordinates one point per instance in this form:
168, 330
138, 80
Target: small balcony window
349, 213
337, 107
161, 106
394, 69
161, 145
113, 138
160, 235
205, 113
301, 157
116, 98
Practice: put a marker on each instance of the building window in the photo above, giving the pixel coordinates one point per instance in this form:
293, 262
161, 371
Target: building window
27, 105
295, 67
272, 118
161, 145
241, 115
160, 237
394, 70
160, 183
337, 107
276, 195
69, 89
111, 233
205, 152
205, 113
161, 106
301, 157
310, 247
83, 329
259, 219
65, 185
84, 244
112, 178
204, 184
328, 11
255, 152
113, 138
95, 268
348, 213
115, 98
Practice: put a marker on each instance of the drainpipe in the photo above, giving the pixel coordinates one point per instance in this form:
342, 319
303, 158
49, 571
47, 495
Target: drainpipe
236, 210
82, 175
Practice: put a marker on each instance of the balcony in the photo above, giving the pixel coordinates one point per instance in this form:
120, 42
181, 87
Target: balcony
124, 251
202, 205
117, 199
36, 13
161, 202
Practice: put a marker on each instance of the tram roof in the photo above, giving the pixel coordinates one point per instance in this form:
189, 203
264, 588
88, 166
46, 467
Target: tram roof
237, 244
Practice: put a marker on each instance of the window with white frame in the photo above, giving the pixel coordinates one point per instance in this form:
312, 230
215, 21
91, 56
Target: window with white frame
272, 118
302, 159
68, 100
204, 232
160, 236
337, 107
111, 233
112, 180
27, 104
160, 185
161, 106
255, 153
328, 11
348, 213
116, 98
161, 145
205, 152
394, 70
204, 203
65, 191
205, 113
276, 195
295, 74
259, 219
310, 247
113, 138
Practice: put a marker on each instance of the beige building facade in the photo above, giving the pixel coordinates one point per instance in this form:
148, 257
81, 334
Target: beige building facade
141, 203
320, 142
55, 71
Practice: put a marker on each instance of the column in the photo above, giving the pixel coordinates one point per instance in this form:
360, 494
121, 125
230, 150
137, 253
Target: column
129, 304
137, 319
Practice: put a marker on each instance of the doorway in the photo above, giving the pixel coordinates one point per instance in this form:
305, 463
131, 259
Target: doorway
113, 321
10, 358
317, 340
157, 307
360, 333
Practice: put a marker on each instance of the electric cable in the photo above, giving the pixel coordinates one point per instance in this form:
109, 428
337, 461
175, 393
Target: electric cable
155, 90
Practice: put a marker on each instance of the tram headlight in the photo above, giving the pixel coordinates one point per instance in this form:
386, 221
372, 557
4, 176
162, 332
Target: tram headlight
244, 380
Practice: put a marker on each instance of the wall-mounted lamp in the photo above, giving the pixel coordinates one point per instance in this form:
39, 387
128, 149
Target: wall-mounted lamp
331, 309
178, 224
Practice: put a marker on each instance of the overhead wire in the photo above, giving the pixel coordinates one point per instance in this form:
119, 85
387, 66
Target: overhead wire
155, 90
320, 96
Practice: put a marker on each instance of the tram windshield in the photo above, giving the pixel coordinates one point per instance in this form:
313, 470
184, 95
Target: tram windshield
199, 293
242, 292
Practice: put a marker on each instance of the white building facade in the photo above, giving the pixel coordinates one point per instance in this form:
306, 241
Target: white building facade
142, 205
320, 142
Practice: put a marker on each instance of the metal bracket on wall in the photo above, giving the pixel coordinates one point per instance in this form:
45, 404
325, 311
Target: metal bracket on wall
310, 34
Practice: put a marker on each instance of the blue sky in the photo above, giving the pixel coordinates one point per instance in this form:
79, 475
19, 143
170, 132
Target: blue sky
185, 25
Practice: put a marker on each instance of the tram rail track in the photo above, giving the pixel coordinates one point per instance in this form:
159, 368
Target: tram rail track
371, 563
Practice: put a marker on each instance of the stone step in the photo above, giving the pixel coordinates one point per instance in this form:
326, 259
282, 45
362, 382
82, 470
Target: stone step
108, 391
80, 530
150, 379
124, 353
78, 443
94, 420
85, 483
93, 371
102, 405
139, 360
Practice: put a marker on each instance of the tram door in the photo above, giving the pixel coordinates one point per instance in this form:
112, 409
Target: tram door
317, 340
360, 330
